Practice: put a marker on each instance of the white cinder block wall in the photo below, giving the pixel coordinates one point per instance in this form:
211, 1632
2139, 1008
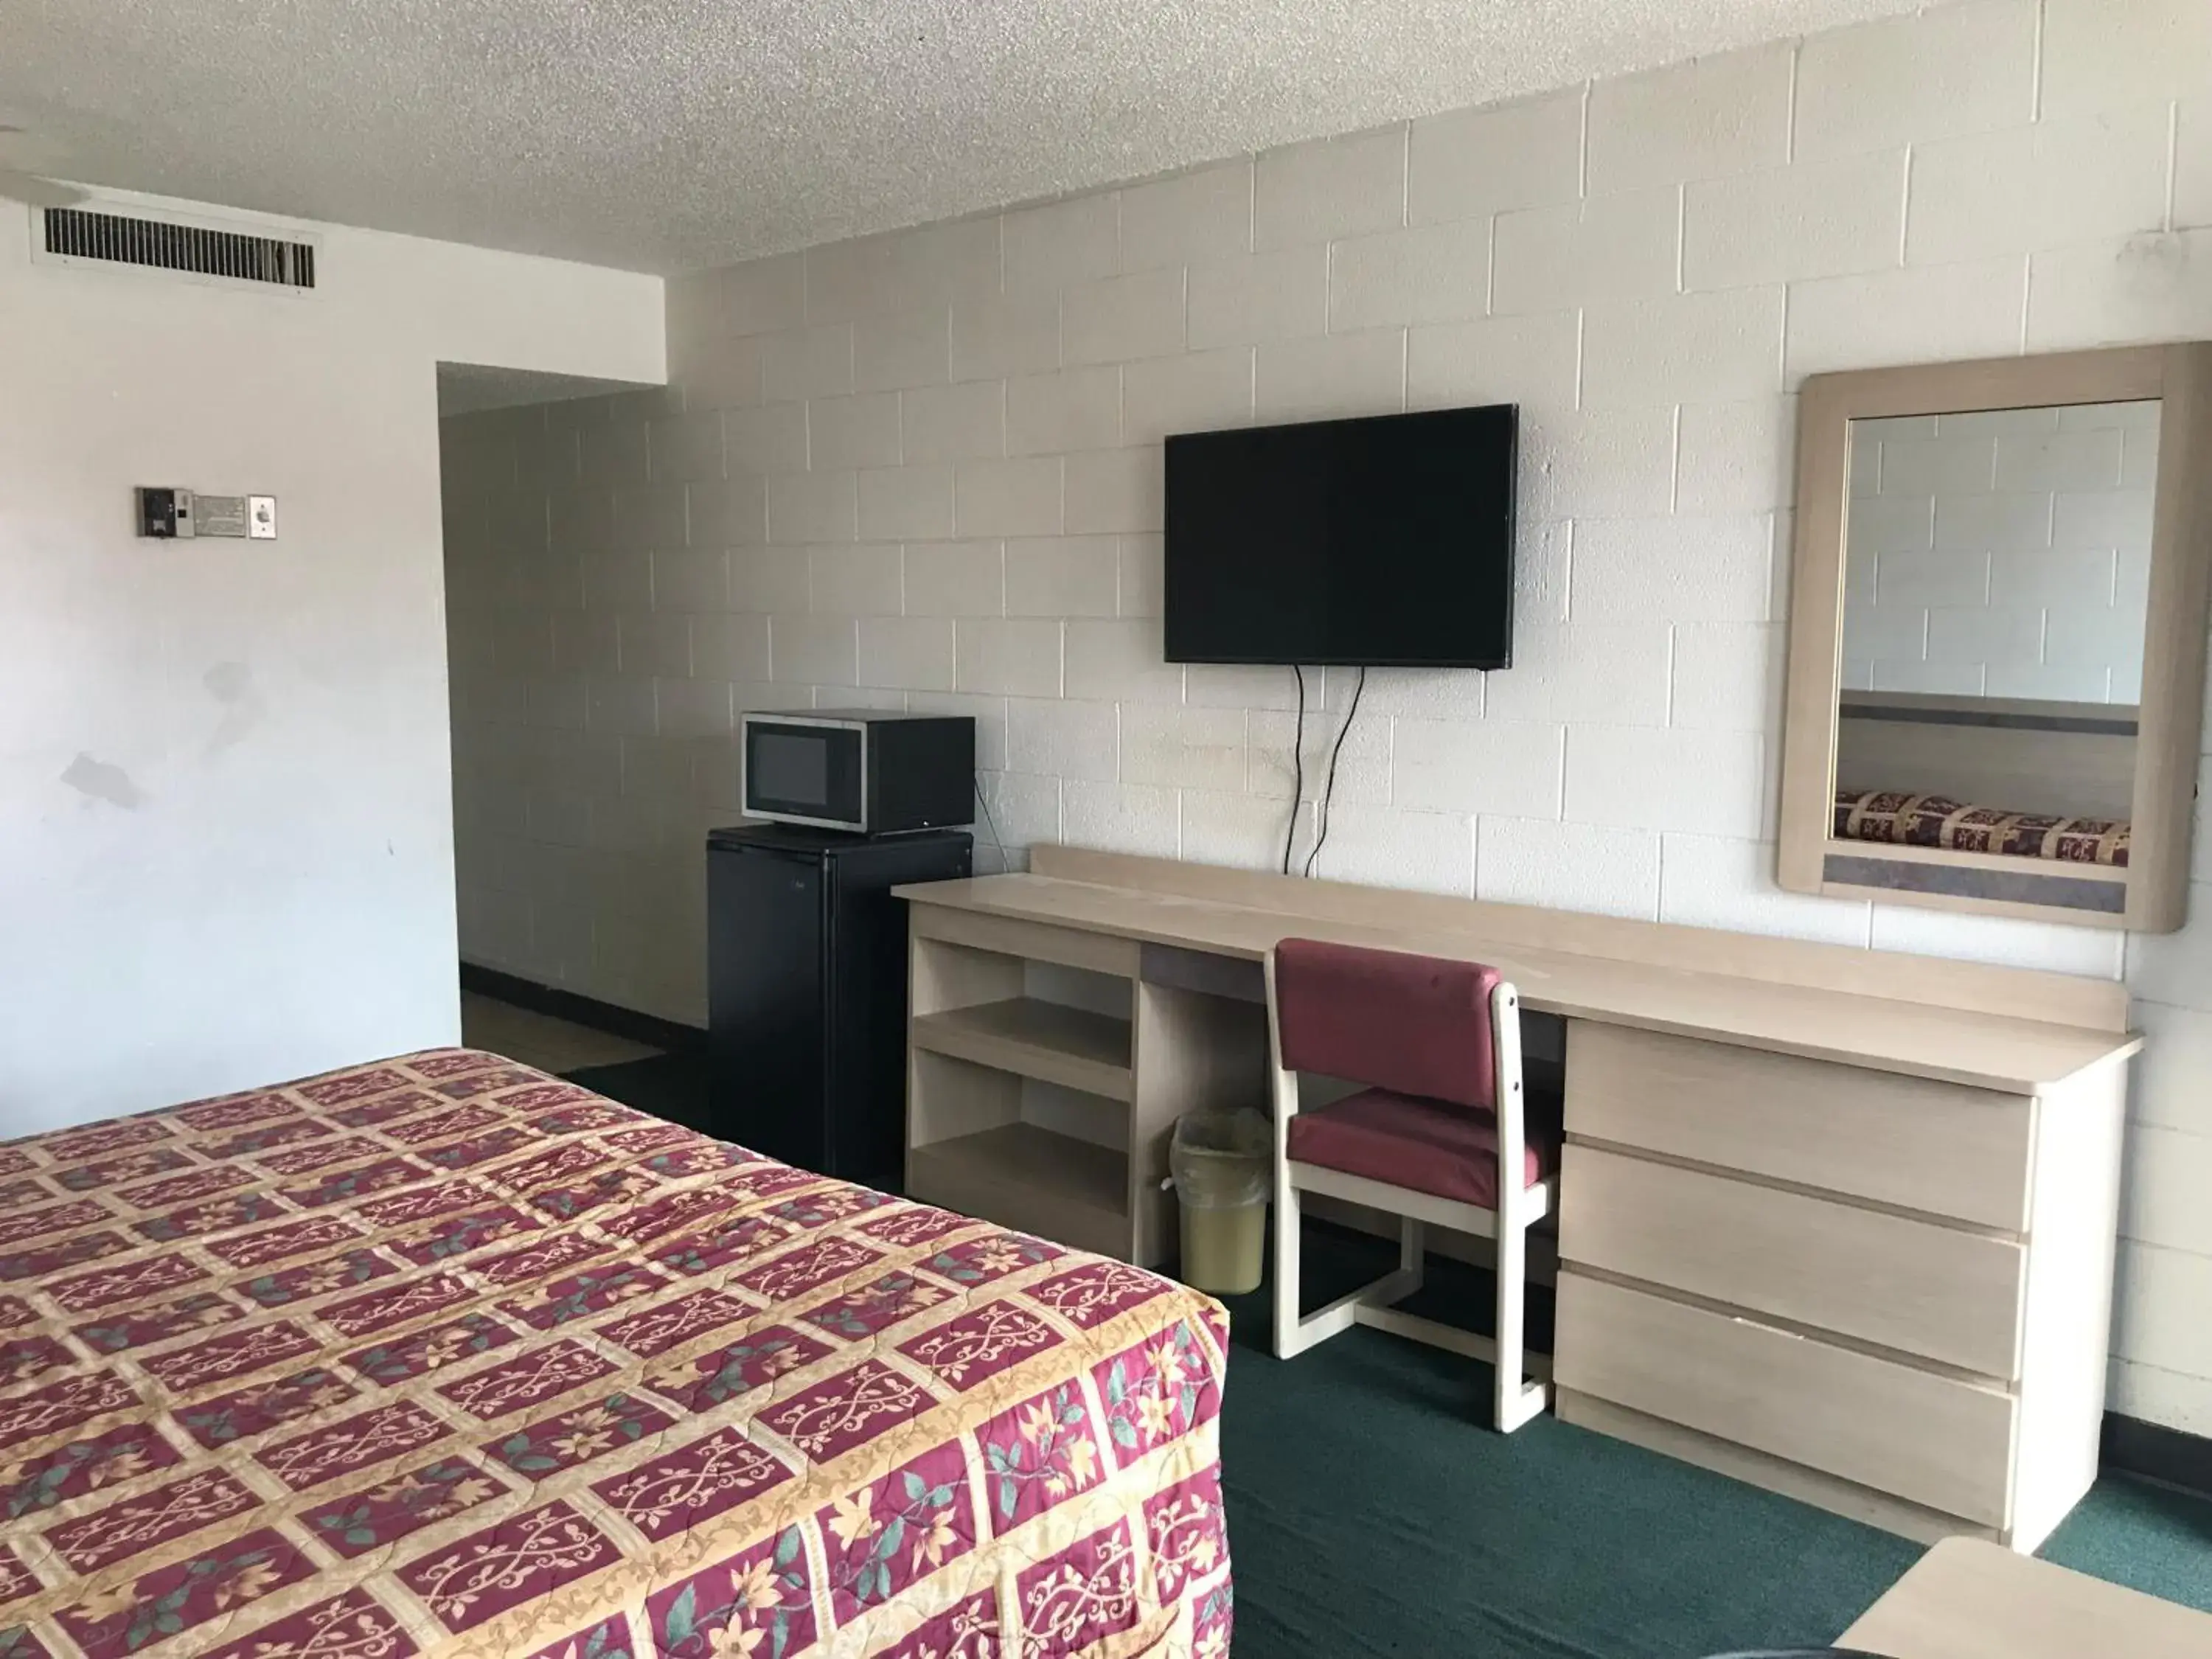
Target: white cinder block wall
2002, 554
925, 468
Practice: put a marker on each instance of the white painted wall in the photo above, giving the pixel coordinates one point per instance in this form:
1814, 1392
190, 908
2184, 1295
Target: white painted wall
252, 877
2001, 553
924, 468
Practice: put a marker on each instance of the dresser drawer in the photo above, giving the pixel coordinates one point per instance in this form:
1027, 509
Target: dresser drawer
1911, 1142
1935, 1291
1945, 1444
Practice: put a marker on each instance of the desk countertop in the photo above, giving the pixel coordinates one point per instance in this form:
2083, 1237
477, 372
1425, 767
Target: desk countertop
1991, 1051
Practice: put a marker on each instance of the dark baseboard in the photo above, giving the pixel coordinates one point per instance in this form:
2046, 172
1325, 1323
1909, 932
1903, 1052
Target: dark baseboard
677, 1038
2154, 1452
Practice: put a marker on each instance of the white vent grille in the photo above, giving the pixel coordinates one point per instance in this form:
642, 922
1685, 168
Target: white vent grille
128, 239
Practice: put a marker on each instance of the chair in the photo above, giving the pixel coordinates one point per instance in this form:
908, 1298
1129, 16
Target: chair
1437, 1046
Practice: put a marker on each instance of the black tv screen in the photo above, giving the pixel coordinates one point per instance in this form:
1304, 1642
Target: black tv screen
1381, 542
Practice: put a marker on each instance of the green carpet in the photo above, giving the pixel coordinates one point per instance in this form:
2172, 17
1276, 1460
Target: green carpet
1371, 1512
2136, 1532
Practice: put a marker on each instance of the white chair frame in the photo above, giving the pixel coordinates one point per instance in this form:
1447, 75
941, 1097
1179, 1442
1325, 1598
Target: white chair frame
1522, 1378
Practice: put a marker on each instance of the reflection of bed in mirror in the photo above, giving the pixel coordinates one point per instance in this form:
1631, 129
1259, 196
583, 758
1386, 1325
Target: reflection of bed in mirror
2016, 777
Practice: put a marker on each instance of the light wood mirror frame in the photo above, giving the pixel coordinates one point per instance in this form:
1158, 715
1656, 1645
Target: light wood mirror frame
2150, 893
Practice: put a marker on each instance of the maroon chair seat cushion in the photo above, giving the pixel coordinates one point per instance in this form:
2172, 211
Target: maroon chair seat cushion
1424, 1145
1418, 1025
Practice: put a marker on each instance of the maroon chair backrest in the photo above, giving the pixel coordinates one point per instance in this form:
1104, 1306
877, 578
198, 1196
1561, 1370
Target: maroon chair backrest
1416, 1026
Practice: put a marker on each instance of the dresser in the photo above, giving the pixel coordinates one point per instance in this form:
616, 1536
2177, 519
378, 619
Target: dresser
1886, 1294
1837, 1222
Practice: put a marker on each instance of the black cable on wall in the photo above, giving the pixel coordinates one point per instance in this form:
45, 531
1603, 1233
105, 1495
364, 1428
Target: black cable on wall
1328, 788
1297, 771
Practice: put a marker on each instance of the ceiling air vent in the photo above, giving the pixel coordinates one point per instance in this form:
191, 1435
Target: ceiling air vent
74, 233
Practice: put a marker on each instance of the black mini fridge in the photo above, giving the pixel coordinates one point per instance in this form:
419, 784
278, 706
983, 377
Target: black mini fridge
807, 968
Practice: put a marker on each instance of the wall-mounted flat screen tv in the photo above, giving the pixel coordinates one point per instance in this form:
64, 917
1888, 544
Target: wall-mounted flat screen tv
1383, 542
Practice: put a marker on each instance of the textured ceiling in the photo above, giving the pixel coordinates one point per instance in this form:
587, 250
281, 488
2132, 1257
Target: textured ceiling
669, 135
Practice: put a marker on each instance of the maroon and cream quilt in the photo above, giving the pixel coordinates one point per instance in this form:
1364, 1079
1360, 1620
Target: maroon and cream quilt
1910, 820
444, 1356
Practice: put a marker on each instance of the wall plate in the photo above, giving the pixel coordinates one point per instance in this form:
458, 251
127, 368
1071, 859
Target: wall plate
261, 518
218, 515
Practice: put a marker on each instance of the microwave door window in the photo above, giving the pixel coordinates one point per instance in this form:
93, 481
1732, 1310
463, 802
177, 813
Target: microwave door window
804, 772
791, 770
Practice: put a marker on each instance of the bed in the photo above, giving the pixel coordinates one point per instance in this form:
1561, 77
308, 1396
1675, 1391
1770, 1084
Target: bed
1901, 817
443, 1355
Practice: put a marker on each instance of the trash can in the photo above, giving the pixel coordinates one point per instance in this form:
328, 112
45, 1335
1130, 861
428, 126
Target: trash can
1219, 1163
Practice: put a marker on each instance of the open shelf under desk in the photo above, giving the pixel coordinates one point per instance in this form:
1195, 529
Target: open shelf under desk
1032, 1179
997, 1028
1048, 1041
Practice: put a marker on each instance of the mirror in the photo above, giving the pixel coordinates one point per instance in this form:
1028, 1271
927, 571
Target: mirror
1997, 572
1997, 616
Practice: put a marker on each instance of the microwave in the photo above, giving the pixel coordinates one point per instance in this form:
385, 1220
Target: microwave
862, 770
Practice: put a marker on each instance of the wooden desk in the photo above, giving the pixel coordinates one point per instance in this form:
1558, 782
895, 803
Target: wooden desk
1893, 1031
1967, 1600
1836, 1221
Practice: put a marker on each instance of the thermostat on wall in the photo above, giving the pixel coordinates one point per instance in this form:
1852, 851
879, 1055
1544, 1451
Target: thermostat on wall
165, 512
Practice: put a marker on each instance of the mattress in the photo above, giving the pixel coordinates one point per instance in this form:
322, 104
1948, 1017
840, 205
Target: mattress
443, 1355
1938, 821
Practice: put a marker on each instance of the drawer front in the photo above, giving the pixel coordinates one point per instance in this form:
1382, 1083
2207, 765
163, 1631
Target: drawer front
1935, 1292
1912, 1142
1928, 1440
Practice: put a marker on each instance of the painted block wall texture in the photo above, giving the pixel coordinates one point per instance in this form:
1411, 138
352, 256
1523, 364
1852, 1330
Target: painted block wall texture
2002, 553
939, 484
225, 779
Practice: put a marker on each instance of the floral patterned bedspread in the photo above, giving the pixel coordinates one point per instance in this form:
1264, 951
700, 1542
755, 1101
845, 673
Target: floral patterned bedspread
1911, 820
445, 1356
